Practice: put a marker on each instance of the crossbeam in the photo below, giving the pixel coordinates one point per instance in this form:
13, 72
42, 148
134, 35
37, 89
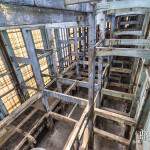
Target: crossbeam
135, 42
129, 52
111, 136
20, 109
71, 2
124, 4
61, 117
115, 117
76, 130
120, 70
118, 94
66, 98
71, 87
137, 33
71, 81
122, 85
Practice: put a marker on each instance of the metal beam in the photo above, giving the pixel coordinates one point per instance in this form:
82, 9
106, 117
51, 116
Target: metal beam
61, 25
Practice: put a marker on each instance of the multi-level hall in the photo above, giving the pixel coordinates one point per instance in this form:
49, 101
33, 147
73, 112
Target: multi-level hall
74, 74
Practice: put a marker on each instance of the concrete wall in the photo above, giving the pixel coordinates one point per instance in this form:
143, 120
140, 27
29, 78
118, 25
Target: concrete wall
50, 4
25, 15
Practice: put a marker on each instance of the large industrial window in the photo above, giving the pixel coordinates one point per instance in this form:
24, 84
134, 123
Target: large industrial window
18, 45
8, 94
37, 38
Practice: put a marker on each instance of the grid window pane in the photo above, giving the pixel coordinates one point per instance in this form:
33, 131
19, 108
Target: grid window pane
27, 74
7, 92
37, 38
11, 101
17, 42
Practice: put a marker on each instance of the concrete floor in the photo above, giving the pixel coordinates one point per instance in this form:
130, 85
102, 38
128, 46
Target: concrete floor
56, 139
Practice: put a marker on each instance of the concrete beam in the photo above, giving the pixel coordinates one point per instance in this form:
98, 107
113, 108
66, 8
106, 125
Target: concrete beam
48, 4
135, 42
111, 136
60, 117
129, 52
136, 33
80, 83
115, 117
33, 56
71, 2
118, 94
66, 98
22, 60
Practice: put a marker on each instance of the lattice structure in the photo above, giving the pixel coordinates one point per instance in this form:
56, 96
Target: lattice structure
37, 38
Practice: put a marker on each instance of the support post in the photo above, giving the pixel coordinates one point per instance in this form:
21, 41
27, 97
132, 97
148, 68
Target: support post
76, 50
58, 48
32, 54
91, 97
47, 47
54, 62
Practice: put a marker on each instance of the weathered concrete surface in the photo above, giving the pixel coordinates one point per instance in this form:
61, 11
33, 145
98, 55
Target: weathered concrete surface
24, 15
58, 4
57, 139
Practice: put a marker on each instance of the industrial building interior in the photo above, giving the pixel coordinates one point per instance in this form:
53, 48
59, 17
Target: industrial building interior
75, 74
